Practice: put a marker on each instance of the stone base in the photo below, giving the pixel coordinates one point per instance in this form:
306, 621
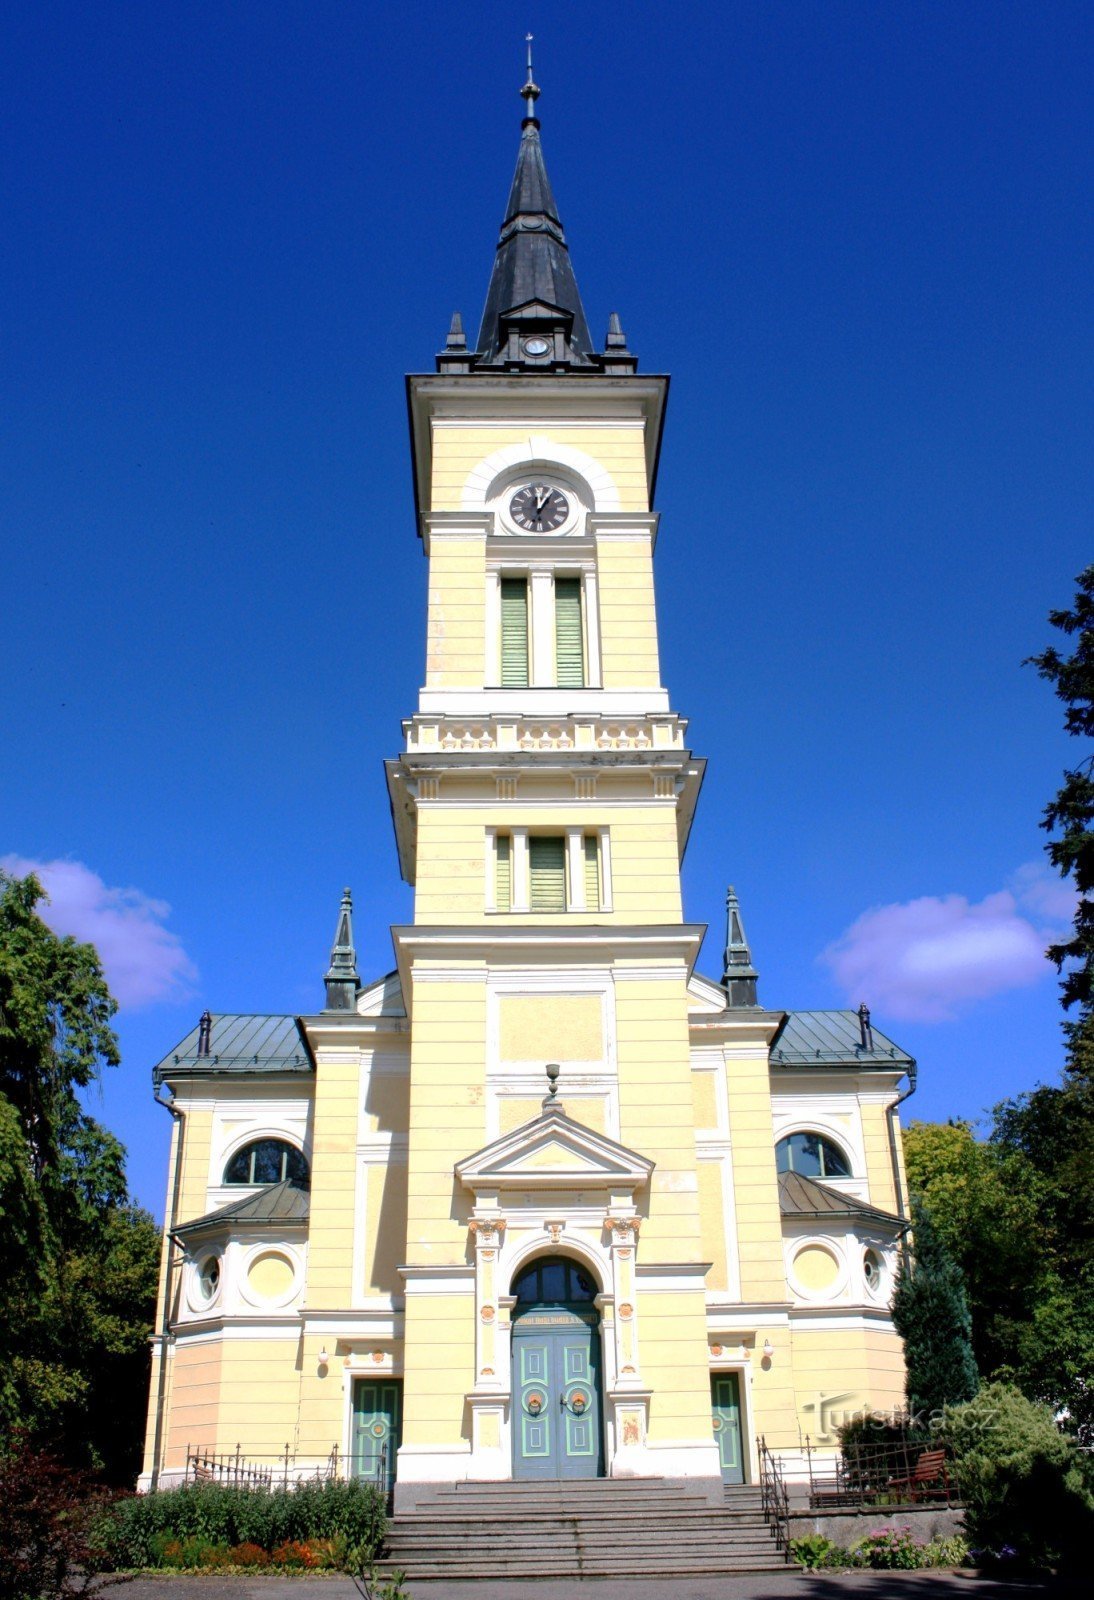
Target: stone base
847, 1525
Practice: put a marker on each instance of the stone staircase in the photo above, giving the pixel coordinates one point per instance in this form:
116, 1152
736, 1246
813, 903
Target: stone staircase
599, 1527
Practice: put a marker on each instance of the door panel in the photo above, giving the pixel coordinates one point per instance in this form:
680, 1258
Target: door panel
556, 1432
725, 1400
377, 1429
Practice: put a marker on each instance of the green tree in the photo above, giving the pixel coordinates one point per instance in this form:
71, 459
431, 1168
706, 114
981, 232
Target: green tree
982, 1202
931, 1314
1070, 815
78, 1294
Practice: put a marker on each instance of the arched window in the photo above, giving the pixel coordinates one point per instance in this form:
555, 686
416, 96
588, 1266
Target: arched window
554, 1281
268, 1161
812, 1155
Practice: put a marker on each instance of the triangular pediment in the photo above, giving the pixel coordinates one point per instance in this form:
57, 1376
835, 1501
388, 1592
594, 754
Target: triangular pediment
554, 1151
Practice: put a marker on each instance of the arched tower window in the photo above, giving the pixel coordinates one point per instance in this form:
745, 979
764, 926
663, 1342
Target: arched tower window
812, 1155
268, 1161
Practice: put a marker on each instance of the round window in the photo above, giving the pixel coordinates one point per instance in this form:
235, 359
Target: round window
872, 1270
209, 1277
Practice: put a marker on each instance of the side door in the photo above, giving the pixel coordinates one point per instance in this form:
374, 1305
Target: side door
377, 1429
725, 1404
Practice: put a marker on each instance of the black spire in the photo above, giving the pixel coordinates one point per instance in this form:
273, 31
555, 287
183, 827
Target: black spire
342, 979
533, 316
739, 978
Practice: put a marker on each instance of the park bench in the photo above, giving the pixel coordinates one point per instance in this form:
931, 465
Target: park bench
928, 1478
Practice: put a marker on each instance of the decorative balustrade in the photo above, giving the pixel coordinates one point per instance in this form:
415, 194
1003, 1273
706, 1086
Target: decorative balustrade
445, 735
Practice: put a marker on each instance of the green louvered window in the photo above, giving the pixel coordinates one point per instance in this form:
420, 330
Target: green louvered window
514, 633
503, 877
569, 647
547, 871
592, 872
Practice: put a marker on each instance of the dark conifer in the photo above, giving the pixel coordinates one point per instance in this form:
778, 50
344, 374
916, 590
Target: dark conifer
931, 1314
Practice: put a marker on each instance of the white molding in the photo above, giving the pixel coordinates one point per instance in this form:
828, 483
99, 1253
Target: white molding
539, 452
618, 704
811, 1320
456, 1280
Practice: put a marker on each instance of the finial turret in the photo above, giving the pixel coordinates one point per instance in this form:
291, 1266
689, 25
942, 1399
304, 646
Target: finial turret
739, 975
530, 91
342, 980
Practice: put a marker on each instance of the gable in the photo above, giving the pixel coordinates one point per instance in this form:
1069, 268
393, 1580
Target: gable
554, 1151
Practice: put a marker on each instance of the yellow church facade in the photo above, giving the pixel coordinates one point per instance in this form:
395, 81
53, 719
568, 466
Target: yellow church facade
542, 1202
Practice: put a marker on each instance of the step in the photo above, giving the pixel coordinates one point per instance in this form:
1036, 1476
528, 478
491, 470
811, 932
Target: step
672, 1568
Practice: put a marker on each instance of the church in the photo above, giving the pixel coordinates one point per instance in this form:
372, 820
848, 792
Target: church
543, 1202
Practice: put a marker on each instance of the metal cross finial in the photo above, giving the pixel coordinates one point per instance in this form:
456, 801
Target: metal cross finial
530, 92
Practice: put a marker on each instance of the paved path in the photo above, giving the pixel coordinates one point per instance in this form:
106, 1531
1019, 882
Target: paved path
756, 1586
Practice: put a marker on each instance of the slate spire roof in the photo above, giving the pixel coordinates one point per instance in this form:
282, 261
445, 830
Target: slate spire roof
532, 267
739, 975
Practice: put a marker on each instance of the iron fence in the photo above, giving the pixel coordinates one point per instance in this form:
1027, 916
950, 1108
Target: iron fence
257, 1469
888, 1472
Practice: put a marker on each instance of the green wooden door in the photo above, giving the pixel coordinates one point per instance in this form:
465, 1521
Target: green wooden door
377, 1429
556, 1374
725, 1401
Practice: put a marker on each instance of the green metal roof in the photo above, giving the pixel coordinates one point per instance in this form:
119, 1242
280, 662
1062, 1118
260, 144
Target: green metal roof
240, 1044
277, 1202
833, 1038
805, 1197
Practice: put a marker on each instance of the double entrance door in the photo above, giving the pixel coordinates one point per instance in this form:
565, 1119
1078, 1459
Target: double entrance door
556, 1395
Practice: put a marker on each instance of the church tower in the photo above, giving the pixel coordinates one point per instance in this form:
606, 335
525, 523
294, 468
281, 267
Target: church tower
543, 1203
542, 805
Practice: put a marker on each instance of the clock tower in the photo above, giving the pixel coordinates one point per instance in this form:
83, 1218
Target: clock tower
542, 804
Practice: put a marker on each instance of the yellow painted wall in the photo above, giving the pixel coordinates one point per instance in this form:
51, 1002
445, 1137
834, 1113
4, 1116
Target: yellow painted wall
755, 1188
628, 615
865, 1367
551, 1027
456, 634
712, 1210
333, 1180
879, 1160
458, 450
451, 874
385, 1227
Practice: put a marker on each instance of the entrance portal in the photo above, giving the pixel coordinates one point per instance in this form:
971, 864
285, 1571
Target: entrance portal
556, 1373
377, 1429
725, 1401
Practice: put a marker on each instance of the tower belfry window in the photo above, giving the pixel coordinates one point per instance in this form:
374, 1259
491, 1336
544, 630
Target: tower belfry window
514, 633
547, 873
569, 641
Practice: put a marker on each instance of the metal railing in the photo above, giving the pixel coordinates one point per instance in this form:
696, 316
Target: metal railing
257, 1469
885, 1472
774, 1500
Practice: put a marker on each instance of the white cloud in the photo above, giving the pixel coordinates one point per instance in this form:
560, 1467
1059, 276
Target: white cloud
925, 960
144, 962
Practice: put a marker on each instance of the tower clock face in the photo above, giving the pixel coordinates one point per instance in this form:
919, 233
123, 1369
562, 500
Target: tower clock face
538, 508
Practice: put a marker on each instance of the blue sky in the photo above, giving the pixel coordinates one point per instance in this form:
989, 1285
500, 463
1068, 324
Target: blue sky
859, 237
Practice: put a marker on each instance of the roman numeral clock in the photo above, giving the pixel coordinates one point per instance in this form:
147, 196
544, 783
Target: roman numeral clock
538, 508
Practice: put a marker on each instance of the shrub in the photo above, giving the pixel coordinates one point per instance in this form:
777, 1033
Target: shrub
222, 1515
950, 1550
813, 1550
293, 1554
888, 1550
249, 1555
47, 1516
1022, 1480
